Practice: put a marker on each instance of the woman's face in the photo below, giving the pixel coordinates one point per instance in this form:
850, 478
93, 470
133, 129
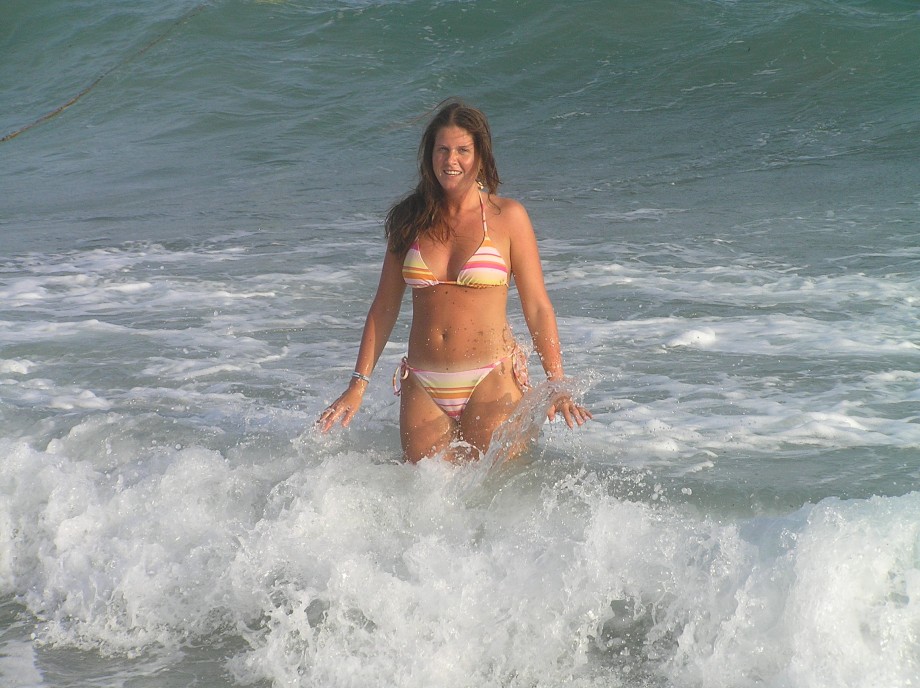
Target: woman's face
455, 162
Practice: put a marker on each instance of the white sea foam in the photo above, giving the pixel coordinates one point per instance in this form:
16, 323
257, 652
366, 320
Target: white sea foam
544, 572
82, 399
701, 338
16, 367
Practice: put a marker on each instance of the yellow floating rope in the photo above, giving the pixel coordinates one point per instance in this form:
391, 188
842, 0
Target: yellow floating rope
58, 110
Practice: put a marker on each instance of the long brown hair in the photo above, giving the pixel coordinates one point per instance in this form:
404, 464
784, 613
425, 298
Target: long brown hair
423, 210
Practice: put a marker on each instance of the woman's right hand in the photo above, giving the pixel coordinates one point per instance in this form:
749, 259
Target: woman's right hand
343, 409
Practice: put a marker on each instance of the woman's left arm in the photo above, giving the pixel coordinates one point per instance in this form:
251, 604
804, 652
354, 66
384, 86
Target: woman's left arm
537, 307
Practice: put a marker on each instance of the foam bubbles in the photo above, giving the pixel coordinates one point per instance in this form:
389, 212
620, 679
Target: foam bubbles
700, 338
854, 609
120, 561
16, 367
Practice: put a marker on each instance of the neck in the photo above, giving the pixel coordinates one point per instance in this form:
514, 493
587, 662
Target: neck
455, 204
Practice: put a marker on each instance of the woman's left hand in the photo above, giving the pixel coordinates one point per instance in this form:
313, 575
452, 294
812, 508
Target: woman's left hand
574, 414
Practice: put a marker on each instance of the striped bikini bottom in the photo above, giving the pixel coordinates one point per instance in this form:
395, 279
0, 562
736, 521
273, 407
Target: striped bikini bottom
451, 391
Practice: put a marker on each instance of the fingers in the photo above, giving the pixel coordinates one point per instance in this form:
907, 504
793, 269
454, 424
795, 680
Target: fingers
572, 413
338, 411
326, 419
581, 415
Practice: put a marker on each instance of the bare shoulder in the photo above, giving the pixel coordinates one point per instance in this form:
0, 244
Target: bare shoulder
509, 214
506, 206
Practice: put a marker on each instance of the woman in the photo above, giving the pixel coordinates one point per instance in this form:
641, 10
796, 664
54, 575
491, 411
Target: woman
456, 244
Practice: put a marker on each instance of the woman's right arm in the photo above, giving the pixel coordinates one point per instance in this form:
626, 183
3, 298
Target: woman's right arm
381, 317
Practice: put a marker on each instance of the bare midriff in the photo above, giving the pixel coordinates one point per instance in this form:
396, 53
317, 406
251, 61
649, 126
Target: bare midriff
458, 328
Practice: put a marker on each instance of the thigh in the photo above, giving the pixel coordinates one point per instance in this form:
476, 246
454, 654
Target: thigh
424, 428
493, 401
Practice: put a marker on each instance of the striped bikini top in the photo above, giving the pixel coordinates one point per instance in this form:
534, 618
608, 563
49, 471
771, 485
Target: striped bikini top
485, 268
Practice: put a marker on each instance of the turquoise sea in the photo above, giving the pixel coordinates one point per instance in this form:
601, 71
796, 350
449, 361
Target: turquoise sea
727, 199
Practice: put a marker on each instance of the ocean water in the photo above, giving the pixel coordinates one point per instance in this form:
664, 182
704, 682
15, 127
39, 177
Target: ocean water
727, 199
